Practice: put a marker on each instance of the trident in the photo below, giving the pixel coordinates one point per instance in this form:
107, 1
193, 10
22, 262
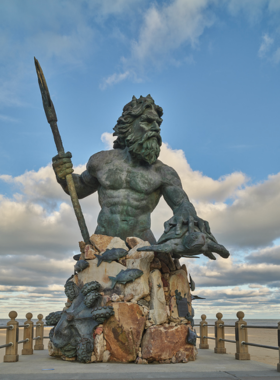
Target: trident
52, 120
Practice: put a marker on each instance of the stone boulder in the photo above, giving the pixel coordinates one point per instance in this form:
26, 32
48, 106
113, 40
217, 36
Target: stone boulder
139, 260
101, 274
53, 351
101, 241
123, 332
133, 241
164, 342
179, 281
158, 312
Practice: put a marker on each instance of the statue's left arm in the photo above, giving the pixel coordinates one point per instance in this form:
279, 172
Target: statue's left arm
183, 210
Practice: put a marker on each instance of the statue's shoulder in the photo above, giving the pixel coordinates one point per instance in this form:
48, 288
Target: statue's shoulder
164, 169
103, 157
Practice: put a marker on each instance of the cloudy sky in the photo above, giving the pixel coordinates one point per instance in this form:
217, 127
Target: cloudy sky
214, 68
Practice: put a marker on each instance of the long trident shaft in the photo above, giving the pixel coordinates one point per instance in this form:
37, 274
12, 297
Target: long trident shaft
52, 120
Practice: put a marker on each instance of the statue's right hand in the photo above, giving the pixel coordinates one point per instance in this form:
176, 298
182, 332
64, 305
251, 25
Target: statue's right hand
62, 164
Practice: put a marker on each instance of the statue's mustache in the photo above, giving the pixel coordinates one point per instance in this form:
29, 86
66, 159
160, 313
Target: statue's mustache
152, 133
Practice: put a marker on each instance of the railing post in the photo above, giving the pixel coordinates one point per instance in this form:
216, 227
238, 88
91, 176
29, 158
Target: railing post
12, 337
203, 333
39, 333
219, 334
241, 335
278, 365
28, 334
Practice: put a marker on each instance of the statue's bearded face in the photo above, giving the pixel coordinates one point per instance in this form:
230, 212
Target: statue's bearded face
144, 140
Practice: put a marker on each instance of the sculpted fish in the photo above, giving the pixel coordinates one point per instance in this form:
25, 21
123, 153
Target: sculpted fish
125, 276
81, 265
192, 284
111, 255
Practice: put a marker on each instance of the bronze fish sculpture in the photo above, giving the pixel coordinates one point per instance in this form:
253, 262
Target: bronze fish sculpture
81, 265
125, 276
111, 255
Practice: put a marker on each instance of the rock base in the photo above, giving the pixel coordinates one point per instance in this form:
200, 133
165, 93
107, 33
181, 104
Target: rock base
146, 326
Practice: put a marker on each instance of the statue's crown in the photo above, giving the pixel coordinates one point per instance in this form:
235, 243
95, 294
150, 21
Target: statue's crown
141, 102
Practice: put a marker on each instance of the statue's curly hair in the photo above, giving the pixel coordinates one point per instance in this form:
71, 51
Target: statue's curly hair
132, 111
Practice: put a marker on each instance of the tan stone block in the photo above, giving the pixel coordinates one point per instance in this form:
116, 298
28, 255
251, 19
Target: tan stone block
157, 304
133, 241
163, 343
90, 252
53, 351
173, 307
106, 356
101, 241
155, 264
140, 287
123, 332
100, 274
134, 254
117, 242
179, 281
99, 347
128, 297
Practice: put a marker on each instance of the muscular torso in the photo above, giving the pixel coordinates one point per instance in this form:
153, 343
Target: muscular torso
128, 193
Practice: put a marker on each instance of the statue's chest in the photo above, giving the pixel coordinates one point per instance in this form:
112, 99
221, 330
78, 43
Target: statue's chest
121, 176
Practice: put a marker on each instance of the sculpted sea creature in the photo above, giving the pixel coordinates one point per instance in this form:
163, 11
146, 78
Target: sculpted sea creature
71, 290
74, 327
77, 257
89, 287
191, 339
100, 314
90, 298
125, 276
81, 265
192, 284
111, 255
197, 298
53, 318
191, 244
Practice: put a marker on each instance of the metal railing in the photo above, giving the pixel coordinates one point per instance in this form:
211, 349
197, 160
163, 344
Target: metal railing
12, 336
241, 336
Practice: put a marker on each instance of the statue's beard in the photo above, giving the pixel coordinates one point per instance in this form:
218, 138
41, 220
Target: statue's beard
146, 149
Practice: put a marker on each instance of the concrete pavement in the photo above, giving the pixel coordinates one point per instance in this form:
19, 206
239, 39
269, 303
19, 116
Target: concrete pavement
40, 366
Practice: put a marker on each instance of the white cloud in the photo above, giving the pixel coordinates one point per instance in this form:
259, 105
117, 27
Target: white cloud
167, 27
108, 139
113, 79
265, 45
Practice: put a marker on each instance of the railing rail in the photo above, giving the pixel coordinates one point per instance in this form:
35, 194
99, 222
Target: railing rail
241, 336
260, 345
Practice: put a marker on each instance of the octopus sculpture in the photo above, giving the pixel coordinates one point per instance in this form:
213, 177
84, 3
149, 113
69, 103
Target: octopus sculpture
73, 328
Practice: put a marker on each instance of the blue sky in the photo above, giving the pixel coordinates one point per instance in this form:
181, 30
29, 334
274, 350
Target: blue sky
213, 66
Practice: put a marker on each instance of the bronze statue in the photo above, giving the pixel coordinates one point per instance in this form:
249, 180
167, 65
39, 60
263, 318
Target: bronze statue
130, 180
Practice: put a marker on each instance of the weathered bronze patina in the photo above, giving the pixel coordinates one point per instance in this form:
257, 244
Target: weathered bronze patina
130, 180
